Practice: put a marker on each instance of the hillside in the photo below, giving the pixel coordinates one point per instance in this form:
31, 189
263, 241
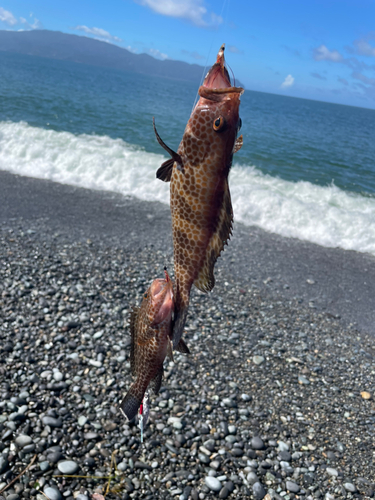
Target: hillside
81, 49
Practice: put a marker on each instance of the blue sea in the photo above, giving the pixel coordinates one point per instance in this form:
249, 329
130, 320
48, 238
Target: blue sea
306, 170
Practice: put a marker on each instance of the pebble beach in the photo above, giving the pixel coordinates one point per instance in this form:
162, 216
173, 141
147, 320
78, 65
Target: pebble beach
275, 401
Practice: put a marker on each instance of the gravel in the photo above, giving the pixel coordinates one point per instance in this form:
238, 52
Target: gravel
222, 425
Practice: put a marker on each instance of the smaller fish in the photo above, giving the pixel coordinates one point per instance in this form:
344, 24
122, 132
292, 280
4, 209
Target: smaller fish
151, 331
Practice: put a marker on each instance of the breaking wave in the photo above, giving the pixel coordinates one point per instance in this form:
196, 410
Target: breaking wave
326, 215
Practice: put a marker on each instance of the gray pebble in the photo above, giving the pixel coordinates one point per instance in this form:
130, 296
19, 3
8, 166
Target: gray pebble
13, 496
23, 440
53, 493
252, 478
258, 360
52, 422
350, 487
213, 483
292, 487
283, 446
81, 496
224, 492
68, 467
332, 472
257, 443
259, 491
3, 464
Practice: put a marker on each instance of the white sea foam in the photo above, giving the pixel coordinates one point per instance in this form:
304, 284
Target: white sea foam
324, 215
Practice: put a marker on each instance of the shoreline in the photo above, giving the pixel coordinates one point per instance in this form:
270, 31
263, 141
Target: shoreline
275, 401
339, 282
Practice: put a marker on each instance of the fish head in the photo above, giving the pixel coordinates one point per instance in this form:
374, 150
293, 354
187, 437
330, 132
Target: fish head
215, 120
159, 301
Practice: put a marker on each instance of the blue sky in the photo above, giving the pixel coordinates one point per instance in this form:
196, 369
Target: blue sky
320, 49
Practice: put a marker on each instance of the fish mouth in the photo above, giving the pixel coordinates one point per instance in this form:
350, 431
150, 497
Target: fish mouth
217, 80
218, 76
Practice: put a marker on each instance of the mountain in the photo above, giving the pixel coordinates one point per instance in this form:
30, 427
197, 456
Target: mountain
81, 49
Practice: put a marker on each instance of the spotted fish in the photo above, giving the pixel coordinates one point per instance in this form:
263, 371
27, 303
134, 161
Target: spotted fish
201, 206
150, 328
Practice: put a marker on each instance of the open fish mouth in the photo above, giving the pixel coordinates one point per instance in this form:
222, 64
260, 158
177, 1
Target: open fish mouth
217, 80
218, 76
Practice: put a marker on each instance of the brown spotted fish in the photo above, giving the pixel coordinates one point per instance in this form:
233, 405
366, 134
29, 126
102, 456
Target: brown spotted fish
150, 328
200, 200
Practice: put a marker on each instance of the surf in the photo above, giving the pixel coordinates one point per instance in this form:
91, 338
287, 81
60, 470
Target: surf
325, 215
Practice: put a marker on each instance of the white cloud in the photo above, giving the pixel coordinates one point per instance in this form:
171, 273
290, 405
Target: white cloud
363, 47
7, 17
323, 54
98, 32
159, 55
191, 10
288, 82
234, 49
36, 25
194, 54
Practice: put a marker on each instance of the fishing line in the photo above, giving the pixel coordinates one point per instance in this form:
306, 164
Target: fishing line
214, 35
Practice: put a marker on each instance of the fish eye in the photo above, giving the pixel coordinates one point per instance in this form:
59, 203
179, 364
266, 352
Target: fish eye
145, 295
219, 124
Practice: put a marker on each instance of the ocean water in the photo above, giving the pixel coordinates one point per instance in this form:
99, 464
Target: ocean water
306, 170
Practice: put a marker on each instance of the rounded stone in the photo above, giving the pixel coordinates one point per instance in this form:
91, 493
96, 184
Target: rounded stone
213, 483
252, 478
82, 420
283, 446
292, 487
224, 492
3, 464
68, 467
52, 422
332, 472
23, 440
350, 487
258, 360
257, 443
53, 493
58, 376
81, 496
259, 491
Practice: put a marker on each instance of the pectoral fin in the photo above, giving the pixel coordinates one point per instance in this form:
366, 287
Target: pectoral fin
164, 173
182, 347
238, 144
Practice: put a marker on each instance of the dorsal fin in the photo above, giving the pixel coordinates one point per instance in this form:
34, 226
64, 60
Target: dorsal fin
164, 172
176, 157
238, 144
133, 332
205, 280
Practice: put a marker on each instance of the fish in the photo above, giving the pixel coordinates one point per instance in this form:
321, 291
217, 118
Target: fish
201, 208
151, 330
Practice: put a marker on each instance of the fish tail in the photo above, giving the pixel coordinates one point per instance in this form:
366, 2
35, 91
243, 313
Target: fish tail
132, 401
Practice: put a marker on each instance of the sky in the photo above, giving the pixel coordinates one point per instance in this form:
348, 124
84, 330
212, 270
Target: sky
315, 49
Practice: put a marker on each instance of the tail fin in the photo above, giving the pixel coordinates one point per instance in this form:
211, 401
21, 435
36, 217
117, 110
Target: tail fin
130, 404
